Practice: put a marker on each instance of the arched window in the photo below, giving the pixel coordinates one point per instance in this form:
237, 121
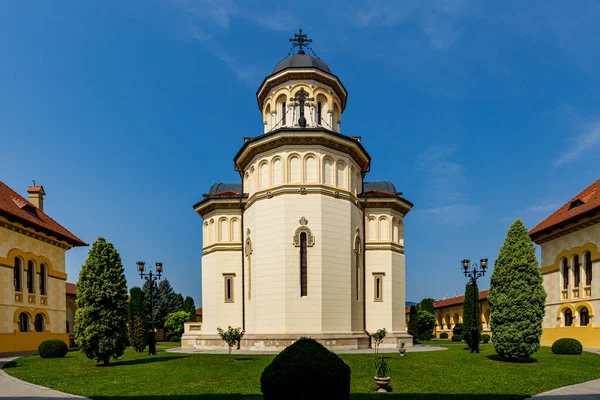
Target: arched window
319, 112
303, 265
235, 230
568, 317
211, 231
310, 169
340, 175
584, 316
30, 276
251, 181
18, 274
372, 228
394, 230
283, 112
43, 279
448, 323
455, 319
587, 259
565, 274
576, 271
223, 231
383, 229
277, 171
328, 171
39, 323
23, 322
401, 233
205, 235
263, 175
294, 169
247, 182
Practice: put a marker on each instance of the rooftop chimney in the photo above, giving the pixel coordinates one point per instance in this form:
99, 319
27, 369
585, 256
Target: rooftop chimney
36, 196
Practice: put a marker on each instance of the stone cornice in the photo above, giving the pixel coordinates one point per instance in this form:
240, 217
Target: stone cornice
222, 247
301, 75
395, 203
218, 203
544, 238
18, 228
390, 246
303, 137
302, 189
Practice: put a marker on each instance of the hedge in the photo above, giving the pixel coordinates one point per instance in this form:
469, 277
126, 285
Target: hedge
567, 346
485, 338
444, 335
53, 349
457, 338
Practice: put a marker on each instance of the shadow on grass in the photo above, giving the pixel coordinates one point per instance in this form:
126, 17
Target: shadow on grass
137, 361
10, 364
244, 359
526, 360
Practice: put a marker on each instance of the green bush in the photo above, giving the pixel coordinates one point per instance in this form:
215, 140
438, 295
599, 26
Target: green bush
444, 335
457, 338
485, 338
175, 339
53, 349
306, 370
567, 346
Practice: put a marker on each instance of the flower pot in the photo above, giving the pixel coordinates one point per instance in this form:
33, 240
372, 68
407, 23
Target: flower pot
382, 383
402, 351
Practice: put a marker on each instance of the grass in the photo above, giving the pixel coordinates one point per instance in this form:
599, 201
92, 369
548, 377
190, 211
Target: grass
450, 374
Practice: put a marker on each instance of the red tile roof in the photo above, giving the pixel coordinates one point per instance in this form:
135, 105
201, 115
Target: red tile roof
457, 300
199, 311
71, 288
589, 201
17, 208
406, 310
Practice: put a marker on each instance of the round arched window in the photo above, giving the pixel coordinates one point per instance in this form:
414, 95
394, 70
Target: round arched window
23, 322
568, 317
39, 323
584, 316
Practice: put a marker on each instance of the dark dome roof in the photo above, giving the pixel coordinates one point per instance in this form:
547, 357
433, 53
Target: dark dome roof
384, 186
301, 61
225, 187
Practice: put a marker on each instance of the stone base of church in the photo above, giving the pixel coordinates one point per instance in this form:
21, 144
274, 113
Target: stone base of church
277, 342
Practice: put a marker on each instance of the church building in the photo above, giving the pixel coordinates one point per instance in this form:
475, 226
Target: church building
302, 245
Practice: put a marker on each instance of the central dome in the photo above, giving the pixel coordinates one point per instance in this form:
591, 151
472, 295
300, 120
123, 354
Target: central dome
301, 61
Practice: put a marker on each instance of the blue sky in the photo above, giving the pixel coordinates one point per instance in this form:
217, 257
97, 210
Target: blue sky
128, 111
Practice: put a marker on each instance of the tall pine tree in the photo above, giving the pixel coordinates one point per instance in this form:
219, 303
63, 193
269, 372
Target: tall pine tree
164, 302
471, 290
517, 298
413, 323
190, 307
101, 317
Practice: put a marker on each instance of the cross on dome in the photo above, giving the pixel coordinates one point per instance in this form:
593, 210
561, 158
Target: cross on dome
300, 40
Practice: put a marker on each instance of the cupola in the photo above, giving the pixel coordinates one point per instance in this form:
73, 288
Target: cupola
301, 92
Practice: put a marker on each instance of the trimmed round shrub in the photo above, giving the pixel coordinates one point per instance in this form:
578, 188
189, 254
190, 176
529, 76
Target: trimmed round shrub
444, 335
306, 370
485, 338
53, 349
175, 339
457, 338
567, 346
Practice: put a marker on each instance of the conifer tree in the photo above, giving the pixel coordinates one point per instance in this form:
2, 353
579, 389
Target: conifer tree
164, 302
137, 319
413, 323
101, 317
468, 312
180, 302
190, 307
427, 305
517, 297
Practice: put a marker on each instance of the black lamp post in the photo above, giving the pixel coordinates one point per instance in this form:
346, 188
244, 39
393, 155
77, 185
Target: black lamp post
474, 274
151, 278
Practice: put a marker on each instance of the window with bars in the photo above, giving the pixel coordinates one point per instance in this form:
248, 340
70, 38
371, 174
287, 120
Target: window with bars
303, 266
23, 322
39, 323
30, 276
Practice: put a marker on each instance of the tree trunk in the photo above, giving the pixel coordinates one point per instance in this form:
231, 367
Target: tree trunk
229, 356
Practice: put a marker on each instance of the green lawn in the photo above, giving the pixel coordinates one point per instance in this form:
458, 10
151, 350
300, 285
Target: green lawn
450, 374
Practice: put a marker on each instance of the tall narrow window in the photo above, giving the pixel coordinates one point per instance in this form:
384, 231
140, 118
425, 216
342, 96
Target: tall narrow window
584, 317
303, 266
568, 317
588, 268
18, 275
43, 275
283, 116
228, 287
319, 112
378, 287
30, 276
576, 271
565, 274
39, 323
23, 322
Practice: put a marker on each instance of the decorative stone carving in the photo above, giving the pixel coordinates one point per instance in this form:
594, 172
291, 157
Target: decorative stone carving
248, 247
310, 238
269, 195
248, 231
336, 194
302, 190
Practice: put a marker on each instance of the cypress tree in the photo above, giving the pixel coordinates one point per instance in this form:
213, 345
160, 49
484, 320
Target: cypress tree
137, 319
190, 307
517, 298
101, 317
180, 302
468, 312
413, 322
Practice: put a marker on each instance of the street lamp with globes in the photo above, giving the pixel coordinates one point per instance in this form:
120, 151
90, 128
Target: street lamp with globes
151, 278
474, 273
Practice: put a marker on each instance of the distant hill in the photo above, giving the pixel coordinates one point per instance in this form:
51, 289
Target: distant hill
410, 303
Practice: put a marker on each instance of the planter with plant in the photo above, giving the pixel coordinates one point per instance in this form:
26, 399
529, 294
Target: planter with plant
382, 371
402, 350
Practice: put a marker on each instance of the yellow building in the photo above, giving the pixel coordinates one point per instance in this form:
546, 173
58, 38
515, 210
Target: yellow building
570, 239
32, 272
449, 313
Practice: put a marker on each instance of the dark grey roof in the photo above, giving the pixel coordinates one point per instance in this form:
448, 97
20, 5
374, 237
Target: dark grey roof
225, 187
301, 61
381, 186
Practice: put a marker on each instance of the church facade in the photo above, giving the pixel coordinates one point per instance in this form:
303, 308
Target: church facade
302, 245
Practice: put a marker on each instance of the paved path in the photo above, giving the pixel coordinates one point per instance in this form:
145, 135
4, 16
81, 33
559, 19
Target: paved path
16, 389
584, 391
414, 349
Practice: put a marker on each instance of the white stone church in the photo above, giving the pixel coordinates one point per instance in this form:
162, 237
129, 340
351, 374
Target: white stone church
302, 245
